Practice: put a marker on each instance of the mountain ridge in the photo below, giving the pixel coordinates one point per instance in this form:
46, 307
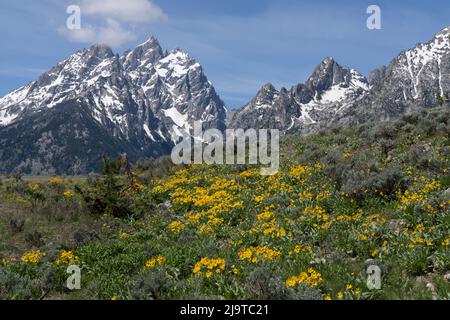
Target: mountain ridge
334, 95
147, 98
329, 89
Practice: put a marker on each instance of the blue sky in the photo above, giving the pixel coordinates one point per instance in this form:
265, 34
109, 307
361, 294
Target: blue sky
242, 44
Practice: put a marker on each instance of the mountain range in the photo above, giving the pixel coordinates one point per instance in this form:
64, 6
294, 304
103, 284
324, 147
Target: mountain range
97, 103
336, 95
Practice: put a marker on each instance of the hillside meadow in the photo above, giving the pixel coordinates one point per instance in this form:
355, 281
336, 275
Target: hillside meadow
344, 199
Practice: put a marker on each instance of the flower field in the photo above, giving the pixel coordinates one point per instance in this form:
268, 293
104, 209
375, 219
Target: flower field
343, 200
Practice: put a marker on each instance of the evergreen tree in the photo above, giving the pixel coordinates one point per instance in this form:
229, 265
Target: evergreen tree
440, 100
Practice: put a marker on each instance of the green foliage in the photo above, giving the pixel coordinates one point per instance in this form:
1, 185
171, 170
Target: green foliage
343, 199
113, 194
265, 283
152, 285
113, 265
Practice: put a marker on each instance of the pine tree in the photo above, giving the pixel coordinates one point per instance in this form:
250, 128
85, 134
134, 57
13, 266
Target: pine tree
440, 100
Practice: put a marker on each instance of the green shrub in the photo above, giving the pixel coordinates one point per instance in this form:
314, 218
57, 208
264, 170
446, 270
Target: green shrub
265, 283
152, 285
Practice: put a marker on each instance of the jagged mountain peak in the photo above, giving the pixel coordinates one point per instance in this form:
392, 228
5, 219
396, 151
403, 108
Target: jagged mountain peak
88, 57
266, 91
100, 51
143, 100
177, 64
445, 32
323, 76
425, 52
328, 60
329, 73
152, 44
180, 55
143, 56
83, 61
438, 44
411, 81
151, 41
264, 97
330, 89
180, 51
268, 87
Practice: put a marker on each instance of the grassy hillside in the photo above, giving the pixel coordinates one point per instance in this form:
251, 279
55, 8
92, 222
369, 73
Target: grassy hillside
343, 199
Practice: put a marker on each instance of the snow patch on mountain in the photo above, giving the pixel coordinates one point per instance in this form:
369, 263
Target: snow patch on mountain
146, 82
330, 90
179, 119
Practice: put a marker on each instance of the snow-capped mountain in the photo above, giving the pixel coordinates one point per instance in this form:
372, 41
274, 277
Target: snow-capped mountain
174, 87
143, 101
328, 91
97, 103
336, 95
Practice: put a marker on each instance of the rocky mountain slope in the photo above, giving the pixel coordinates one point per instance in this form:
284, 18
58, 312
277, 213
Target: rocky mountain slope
329, 91
411, 81
336, 95
142, 101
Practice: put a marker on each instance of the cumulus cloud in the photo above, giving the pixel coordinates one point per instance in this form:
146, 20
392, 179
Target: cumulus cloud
110, 21
111, 34
129, 10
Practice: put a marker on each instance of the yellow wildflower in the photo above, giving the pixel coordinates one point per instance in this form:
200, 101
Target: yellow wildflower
176, 226
255, 254
311, 278
208, 266
6, 261
123, 235
32, 257
154, 262
68, 194
67, 257
374, 253
56, 180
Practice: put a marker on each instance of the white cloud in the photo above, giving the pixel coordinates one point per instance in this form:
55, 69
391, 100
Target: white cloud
124, 10
111, 22
111, 34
